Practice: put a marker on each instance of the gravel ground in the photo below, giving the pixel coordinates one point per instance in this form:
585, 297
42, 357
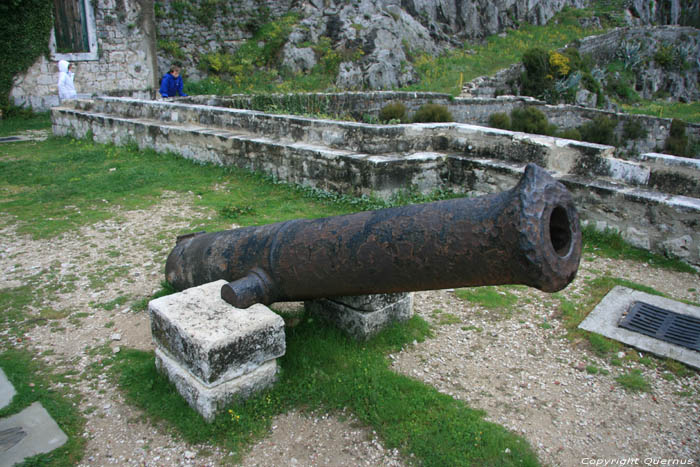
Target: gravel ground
525, 375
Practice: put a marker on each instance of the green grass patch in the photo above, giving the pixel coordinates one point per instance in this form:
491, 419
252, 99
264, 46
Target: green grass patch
441, 318
322, 369
447, 72
634, 381
493, 298
609, 243
33, 384
61, 184
24, 120
688, 112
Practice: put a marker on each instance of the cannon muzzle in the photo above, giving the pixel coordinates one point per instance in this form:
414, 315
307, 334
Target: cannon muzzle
527, 235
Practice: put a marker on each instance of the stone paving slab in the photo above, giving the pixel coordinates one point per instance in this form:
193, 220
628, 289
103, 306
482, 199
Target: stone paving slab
7, 390
606, 315
28, 433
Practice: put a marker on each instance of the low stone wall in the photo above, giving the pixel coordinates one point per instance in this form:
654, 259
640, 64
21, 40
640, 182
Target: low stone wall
474, 110
378, 160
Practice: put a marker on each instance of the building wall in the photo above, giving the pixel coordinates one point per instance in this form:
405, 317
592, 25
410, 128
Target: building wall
124, 61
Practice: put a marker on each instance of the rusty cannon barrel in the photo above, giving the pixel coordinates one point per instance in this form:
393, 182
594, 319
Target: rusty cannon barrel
527, 235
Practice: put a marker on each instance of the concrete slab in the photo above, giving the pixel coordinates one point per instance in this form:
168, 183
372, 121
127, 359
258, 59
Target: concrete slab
215, 341
607, 314
28, 433
364, 316
7, 390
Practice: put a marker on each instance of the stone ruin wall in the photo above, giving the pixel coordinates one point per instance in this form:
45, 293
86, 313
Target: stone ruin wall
124, 63
476, 111
355, 158
220, 28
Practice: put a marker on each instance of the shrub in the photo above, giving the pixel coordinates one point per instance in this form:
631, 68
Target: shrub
393, 111
600, 130
677, 141
499, 120
570, 133
633, 129
622, 89
530, 120
536, 78
432, 113
669, 57
590, 83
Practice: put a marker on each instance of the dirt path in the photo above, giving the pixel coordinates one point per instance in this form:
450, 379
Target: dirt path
527, 376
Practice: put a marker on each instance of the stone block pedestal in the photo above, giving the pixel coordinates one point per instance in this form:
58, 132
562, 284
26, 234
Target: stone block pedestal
212, 352
363, 316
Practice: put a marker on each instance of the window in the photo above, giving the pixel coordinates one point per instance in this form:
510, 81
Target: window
73, 36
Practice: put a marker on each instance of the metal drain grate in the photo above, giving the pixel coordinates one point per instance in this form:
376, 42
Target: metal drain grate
663, 324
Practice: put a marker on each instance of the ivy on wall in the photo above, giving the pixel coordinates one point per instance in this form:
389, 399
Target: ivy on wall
25, 27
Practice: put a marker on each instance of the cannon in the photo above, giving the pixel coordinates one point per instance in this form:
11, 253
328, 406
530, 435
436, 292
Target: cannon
527, 235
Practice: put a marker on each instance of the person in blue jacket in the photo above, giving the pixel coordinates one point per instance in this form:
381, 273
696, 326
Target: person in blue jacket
171, 83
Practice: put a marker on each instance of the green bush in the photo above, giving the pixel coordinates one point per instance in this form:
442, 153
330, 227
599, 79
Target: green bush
432, 113
25, 38
570, 133
392, 112
536, 78
622, 89
677, 141
530, 120
600, 130
499, 120
634, 129
590, 83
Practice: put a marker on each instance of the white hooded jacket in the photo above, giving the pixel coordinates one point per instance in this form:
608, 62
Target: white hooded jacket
66, 88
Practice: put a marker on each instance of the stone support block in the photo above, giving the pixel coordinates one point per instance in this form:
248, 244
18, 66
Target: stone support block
212, 352
363, 316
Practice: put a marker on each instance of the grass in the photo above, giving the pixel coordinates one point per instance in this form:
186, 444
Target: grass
24, 120
448, 71
324, 369
634, 381
34, 383
493, 298
609, 243
688, 112
62, 184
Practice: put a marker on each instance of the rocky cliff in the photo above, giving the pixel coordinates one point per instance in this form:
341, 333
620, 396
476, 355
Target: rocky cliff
384, 34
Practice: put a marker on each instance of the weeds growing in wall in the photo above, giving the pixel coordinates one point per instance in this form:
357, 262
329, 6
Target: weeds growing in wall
25, 26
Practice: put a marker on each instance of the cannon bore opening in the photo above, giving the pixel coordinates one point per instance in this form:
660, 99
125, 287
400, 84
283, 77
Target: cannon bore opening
560, 231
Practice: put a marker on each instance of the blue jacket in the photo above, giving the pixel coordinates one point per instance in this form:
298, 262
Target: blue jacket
171, 86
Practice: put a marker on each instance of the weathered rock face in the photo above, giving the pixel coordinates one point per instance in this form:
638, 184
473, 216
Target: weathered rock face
668, 58
384, 34
448, 20
667, 63
680, 12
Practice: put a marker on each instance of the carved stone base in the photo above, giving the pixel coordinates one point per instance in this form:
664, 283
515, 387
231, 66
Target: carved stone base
363, 316
212, 352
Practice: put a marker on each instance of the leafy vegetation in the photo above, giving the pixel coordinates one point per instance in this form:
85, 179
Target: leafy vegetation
25, 37
634, 381
393, 112
677, 141
432, 113
322, 368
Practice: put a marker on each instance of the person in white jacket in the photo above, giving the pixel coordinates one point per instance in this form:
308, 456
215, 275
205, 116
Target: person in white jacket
66, 88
